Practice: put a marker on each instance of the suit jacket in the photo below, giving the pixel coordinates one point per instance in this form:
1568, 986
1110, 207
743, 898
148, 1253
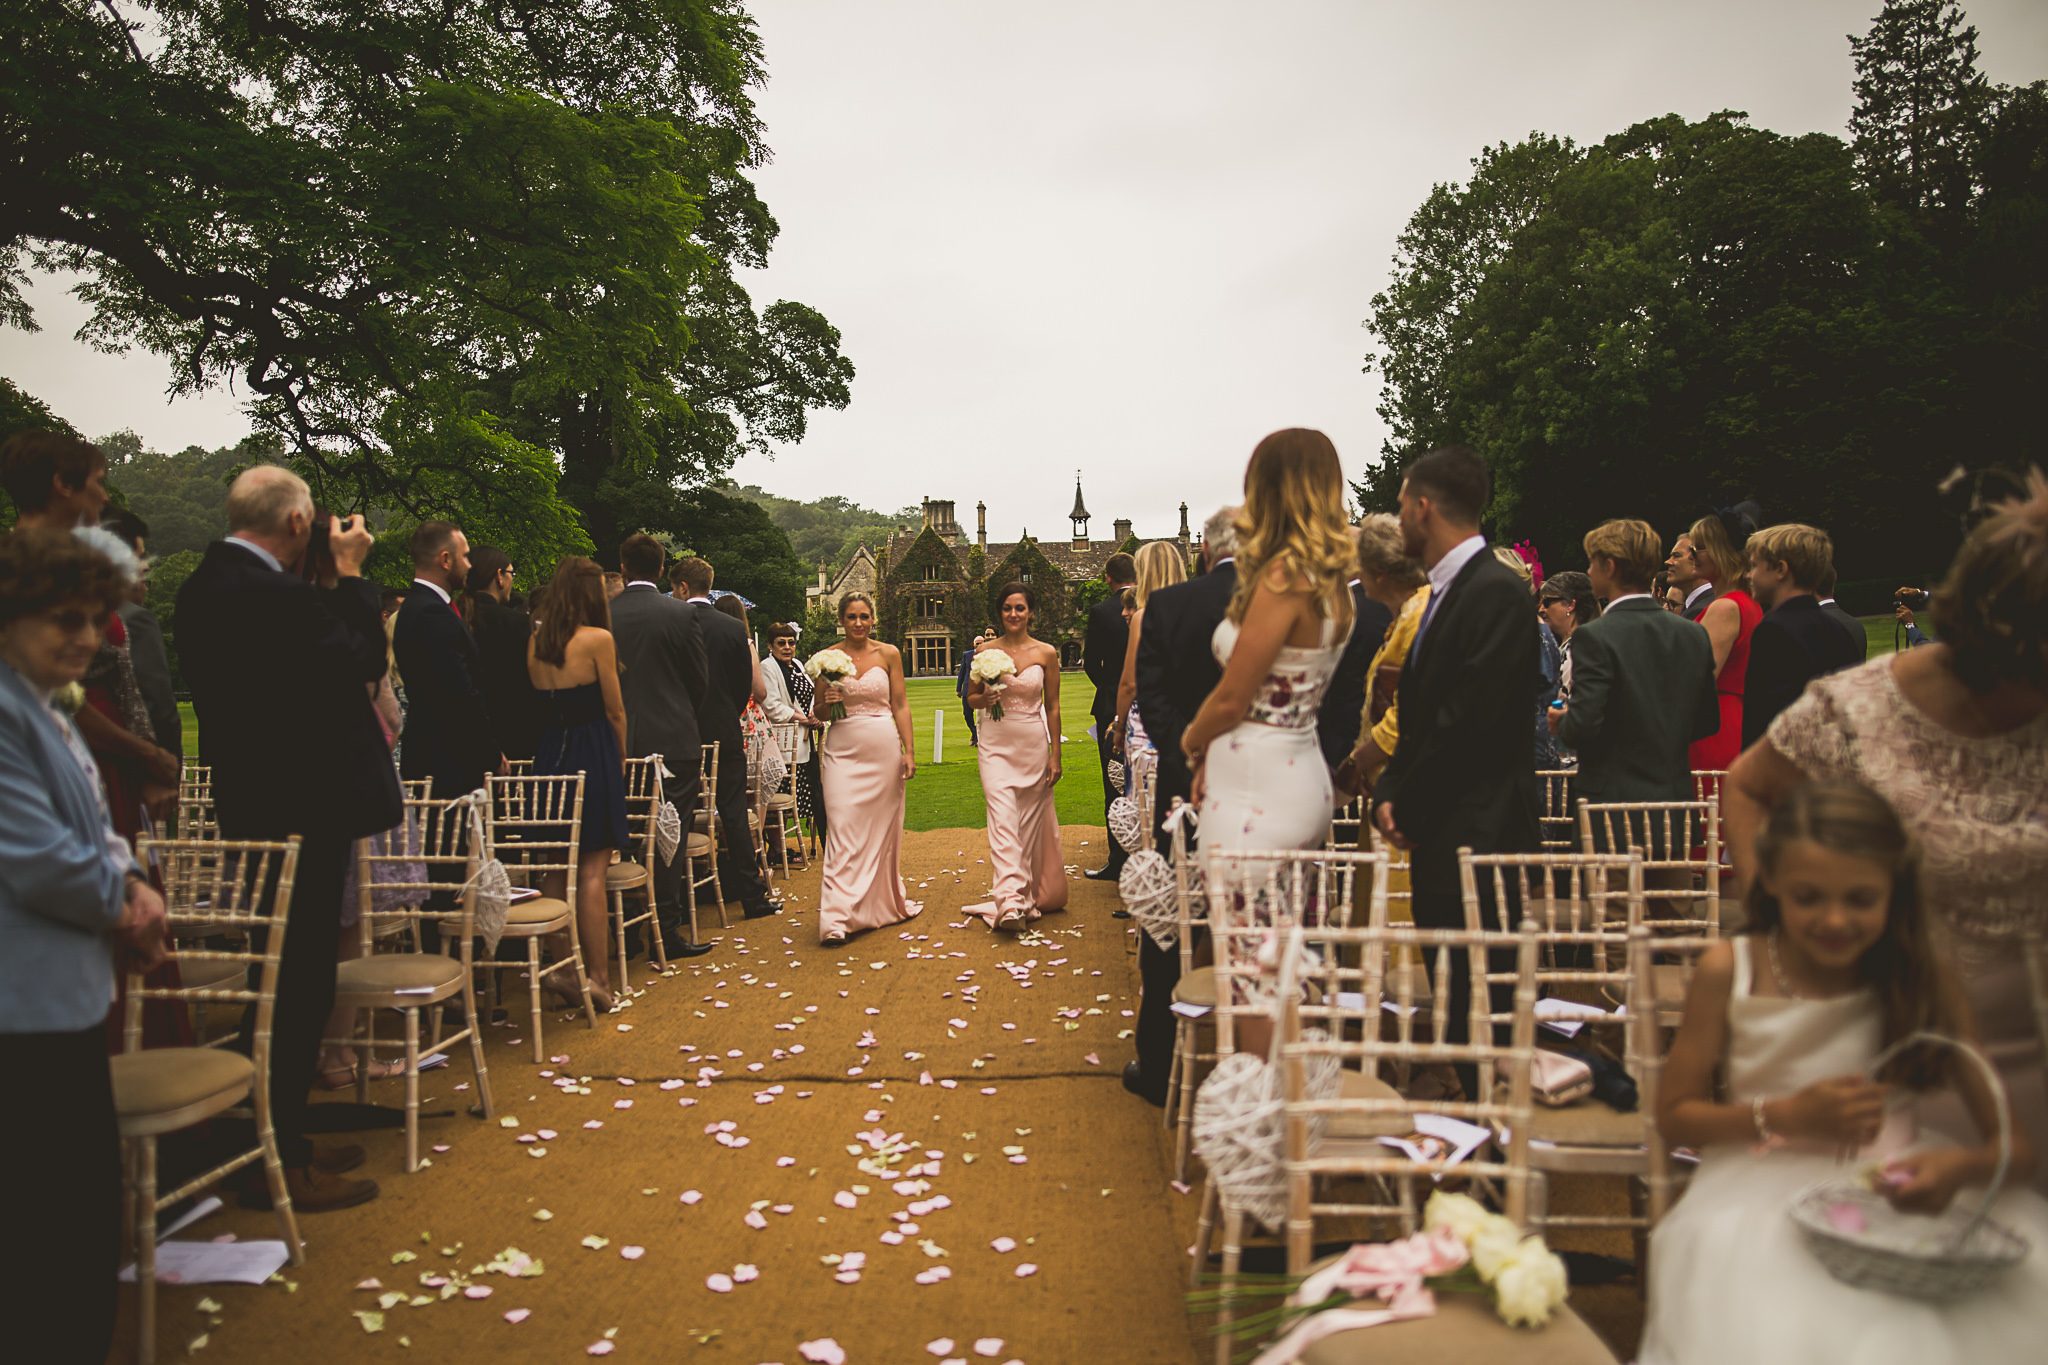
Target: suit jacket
153, 675
1344, 702
281, 673
1464, 769
1177, 669
1642, 690
729, 685
502, 634
62, 875
1699, 607
1103, 647
662, 677
448, 732
1851, 627
1795, 643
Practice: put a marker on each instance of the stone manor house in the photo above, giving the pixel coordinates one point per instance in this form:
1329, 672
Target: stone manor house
933, 589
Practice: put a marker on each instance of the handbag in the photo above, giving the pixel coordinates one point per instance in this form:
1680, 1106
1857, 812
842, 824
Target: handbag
1557, 1080
1386, 688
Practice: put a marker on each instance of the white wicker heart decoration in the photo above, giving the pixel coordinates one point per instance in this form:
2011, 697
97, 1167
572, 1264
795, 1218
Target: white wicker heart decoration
1125, 824
1239, 1130
1114, 771
668, 830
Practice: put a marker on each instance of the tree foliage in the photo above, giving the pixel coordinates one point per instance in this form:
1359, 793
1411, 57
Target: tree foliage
749, 552
828, 530
1692, 312
471, 259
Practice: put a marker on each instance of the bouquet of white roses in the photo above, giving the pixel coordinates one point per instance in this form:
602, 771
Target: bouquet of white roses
989, 669
831, 666
1462, 1247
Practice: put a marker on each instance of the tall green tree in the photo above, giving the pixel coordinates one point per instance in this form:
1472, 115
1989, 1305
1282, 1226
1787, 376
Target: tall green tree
1922, 106
750, 553
471, 258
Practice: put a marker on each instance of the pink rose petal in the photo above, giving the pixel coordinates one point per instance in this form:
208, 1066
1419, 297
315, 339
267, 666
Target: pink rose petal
632, 1253
1004, 1244
477, 1291
943, 1346
989, 1346
718, 1284
745, 1274
823, 1351
515, 1316
1026, 1269
601, 1348
691, 1196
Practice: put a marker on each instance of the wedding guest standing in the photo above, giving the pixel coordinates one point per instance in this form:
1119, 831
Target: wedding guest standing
1955, 736
961, 682
1259, 776
1549, 661
1688, 586
1642, 680
868, 757
574, 664
1797, 641
788, 702
1103, 647
1463, 774
501, 631
1343, 713
1020, 767
729, 686
71, 897
1397, 581
1730, 619
281, 672
447, 732
1176, 670
1839, 614
1567, 602
1160, 564
146, 642
55, 480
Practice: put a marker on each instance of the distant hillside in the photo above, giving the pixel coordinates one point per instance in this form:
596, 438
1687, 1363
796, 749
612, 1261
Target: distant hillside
830, 528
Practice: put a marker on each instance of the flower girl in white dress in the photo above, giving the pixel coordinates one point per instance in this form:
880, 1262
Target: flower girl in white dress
1834, 965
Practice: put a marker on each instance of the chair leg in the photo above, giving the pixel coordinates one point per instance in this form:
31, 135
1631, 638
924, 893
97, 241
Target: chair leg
533, 987
657, 949
366, 1057
690, 894
145, 1250
1185, 1124
582, 977
280, 1193
1205, 1227
619, 927
1170, 1111
412, 1090
1233, 1259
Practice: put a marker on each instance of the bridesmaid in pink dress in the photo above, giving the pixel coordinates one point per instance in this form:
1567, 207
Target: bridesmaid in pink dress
1020, 767
865, 760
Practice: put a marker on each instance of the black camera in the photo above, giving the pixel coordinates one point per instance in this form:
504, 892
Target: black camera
1913, 598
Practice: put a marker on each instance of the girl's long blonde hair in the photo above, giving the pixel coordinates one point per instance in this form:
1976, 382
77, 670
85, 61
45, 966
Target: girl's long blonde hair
1160, 564
1294, 515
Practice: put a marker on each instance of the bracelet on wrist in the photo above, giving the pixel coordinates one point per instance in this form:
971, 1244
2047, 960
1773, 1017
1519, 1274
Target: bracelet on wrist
1756, 1117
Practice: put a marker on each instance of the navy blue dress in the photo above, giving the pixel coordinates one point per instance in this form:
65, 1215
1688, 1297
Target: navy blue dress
575, 737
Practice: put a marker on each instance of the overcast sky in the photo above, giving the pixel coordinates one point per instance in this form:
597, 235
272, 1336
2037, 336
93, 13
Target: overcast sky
1133, 236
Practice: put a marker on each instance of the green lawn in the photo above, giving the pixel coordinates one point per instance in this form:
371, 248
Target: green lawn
948, 795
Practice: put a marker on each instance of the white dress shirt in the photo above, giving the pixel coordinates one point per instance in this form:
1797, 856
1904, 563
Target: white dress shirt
253, 548
438, 589
1692, 596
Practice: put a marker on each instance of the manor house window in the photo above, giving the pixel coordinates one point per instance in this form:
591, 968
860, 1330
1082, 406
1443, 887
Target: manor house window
930, 654
930, 608
934, 573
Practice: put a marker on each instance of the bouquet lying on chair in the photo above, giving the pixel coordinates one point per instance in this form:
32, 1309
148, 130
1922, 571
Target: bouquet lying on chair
832, 666
989, 669
1461, 1248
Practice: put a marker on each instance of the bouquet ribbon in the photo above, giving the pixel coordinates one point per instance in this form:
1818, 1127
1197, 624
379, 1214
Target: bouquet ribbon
1392, 1272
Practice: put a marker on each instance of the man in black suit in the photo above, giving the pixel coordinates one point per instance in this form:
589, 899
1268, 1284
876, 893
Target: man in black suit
447, 718
281, 673
1344, 702
1463, 774
1796, 641
1176, 672
502, 633
1642, 679
1102, 658
729, 683
662, 674
1684, 572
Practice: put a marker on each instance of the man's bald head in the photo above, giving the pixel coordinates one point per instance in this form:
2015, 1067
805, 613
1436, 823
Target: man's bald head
262, 499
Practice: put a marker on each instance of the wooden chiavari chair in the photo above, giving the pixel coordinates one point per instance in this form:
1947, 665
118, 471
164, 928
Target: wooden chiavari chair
545, 817
238, 891
1682, 871
779, 806
452, 838
1554, 815
701, 836
633, 873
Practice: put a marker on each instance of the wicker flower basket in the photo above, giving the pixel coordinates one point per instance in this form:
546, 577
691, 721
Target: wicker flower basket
1913, 1255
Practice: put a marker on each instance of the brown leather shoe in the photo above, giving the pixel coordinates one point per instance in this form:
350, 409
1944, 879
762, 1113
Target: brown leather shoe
312, 1190
338, 1158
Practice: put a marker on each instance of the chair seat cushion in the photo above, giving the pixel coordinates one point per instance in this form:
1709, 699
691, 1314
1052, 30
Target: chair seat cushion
536, 910
1356, 1085
624, 875
781, 801
1197, 987
421, 976
699, 845
166, 1080
1464, 1329
1589, 1123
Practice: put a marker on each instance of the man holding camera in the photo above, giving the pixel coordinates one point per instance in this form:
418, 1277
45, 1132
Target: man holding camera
281, 674
1905, 602
1796, 641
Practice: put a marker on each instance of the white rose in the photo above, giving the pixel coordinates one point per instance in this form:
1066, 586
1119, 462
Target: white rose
1496, 1242
1461, 1213
1531, 1285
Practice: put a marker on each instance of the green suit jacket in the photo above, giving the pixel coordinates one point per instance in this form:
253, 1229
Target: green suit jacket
1642, 690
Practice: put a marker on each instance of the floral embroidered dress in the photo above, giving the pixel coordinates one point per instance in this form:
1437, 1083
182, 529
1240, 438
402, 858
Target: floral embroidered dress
1267, 785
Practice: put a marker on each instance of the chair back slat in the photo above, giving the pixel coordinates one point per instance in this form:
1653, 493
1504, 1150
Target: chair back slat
225, 900
449, 838
1554, 790
539, 822
1254, 897
1648, 953
1681, 846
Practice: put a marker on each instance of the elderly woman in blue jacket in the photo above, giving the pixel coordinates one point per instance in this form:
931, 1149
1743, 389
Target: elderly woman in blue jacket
71, 900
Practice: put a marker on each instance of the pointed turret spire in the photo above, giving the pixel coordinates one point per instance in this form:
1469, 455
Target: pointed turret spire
1079, 516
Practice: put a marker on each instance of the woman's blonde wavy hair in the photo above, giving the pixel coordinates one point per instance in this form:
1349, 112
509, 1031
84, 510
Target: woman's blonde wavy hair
1160, 564
1294, 515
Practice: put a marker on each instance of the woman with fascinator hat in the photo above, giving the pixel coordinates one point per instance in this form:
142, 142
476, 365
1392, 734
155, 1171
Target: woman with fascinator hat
1717, 541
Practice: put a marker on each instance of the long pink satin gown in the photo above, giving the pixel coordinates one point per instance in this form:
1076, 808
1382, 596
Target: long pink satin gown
862, 883
1023, 825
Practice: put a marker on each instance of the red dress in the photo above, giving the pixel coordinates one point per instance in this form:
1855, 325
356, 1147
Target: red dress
1717, 751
